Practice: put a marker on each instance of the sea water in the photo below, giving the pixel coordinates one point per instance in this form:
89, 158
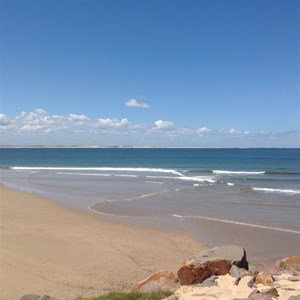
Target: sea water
255, 188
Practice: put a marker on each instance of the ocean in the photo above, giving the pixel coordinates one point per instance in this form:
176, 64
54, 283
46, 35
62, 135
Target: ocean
199, 191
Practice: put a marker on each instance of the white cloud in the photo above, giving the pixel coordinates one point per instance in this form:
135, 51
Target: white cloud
4, 120
41, 127
233, 131
78, 119
32, 127
40, 111
106, 123
164, 125
203, 130
135, 103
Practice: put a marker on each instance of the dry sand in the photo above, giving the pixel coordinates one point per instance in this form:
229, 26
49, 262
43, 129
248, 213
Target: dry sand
50, 249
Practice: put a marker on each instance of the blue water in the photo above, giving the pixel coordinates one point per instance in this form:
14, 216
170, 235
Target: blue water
253, 188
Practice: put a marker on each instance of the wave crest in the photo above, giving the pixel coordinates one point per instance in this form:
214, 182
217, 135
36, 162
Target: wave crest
239, 172
270, 190
152, 170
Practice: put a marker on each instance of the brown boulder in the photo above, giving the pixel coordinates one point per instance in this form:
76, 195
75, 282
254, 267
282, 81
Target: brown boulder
193, 274
291, 264
264, 278
235, 254
162, 280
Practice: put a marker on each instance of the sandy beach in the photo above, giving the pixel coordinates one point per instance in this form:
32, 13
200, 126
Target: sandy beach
47, 248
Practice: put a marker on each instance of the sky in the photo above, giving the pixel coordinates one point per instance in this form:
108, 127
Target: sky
204, 73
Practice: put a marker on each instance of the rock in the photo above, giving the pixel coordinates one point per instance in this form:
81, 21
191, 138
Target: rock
251, 282
256, 295
235, 254
215, 261
264, 278
291, 263
162, 280
193, 274
271, 269
294, 278
238, 272
285, 287
260, 296
271, 292
211, 281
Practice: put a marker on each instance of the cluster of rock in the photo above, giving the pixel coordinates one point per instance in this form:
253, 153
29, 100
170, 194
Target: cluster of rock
223, 273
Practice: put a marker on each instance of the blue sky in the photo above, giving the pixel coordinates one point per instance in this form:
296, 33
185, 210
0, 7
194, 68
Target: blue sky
167, 73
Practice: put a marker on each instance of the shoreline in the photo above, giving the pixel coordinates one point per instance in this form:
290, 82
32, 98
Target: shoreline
49, 248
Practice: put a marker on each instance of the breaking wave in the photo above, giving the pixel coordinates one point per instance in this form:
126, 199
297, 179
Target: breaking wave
152, 170
238, 172
270, 190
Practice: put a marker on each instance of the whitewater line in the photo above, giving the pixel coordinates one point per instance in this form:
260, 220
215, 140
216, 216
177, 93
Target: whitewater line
269, 190
153, 170
238, 223
239, 172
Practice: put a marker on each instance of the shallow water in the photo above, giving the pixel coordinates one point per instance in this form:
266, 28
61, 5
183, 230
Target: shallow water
205, 192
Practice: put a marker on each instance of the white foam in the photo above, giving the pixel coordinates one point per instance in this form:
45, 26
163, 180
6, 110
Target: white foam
177, 216
155, 182
230, 184
239, 223
269, 190
126, 175
238, 172
84, 174
198, 178
148, 195
153, 170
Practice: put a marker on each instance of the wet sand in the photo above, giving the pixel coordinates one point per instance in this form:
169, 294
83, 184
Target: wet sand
263, 244
47, 248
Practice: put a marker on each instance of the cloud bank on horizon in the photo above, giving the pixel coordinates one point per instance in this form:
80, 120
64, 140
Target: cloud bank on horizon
42, 128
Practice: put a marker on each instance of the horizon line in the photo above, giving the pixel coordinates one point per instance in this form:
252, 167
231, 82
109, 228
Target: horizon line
128, 147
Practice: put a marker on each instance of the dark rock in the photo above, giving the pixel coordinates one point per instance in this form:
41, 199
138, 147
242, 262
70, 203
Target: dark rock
251, 282
193, 274
237, 281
